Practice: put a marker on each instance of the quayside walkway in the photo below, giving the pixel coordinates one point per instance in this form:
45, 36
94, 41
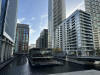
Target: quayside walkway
85, 58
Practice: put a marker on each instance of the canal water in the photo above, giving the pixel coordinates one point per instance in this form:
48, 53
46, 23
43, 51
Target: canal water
21, 66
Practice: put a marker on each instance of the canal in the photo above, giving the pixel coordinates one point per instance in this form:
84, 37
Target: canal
21, 66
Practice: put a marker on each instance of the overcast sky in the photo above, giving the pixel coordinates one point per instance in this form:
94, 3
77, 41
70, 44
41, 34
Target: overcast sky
35, 13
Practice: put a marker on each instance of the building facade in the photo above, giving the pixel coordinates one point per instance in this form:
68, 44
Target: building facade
42, 41
8, 19
74, 35
22, 38
56, 14
32, 46
38, 43
93, 8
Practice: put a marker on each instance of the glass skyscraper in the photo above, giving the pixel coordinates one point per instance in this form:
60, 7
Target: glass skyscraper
8, 19
22, 38
56, 14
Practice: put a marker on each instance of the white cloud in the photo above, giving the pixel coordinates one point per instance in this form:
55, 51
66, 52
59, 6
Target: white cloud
44, 16
20, 20
44, 27
33, 18
32, 31
44, 22
31, 36
80, 6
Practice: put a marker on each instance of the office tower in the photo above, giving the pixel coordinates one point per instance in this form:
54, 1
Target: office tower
42, 41
22, 38
93, 8
8, 18
56, 14
74, 35
38, 43
44, 37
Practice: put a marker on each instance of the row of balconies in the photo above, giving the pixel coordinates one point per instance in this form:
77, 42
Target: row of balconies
86, 27
84, 33
85, 18
85, 15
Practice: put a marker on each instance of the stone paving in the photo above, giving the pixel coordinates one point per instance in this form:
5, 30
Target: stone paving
2, 65
88, 72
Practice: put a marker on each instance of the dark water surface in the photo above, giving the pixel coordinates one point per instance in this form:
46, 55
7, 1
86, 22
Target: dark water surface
21, 66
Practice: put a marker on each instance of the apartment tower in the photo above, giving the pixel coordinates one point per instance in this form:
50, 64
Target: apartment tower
56, 14
74, 34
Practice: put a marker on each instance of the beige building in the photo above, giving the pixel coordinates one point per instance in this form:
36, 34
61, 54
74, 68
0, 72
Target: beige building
93, 8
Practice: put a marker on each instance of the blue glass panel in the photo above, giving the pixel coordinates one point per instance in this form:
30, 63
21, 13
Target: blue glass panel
3, 11
11, 19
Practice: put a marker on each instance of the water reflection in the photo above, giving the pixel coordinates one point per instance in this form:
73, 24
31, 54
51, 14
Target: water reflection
68, 67
21, 60
21, 66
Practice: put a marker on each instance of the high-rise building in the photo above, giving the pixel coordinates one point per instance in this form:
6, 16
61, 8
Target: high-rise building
38, 43
93, 8
56, 14
74, 35
22, 38
42, 41
8, 19
61, 36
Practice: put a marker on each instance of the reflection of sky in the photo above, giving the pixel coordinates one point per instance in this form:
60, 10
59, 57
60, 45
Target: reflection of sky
2, 6
35, 13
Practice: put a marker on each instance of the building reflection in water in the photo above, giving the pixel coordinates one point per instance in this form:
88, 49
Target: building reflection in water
21, 60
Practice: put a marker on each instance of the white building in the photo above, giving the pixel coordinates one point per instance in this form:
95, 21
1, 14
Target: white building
74, 34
